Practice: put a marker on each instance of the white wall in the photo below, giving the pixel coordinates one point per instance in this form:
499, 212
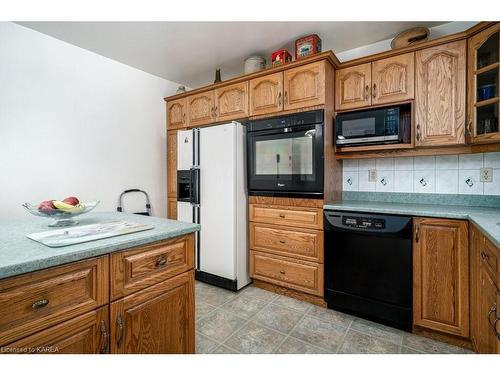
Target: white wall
385, 45
75, 123
447, 174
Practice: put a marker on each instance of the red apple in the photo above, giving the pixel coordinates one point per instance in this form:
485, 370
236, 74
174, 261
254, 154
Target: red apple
46, 206
71, 200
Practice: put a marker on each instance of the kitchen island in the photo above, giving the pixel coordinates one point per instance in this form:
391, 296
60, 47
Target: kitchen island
127, 294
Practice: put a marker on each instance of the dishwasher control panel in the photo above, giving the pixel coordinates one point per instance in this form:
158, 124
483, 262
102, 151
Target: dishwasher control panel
363, 222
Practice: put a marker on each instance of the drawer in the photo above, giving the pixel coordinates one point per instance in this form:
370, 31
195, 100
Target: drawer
35, 301
490, 258
290, 273
301, 217
136, 269
304, 244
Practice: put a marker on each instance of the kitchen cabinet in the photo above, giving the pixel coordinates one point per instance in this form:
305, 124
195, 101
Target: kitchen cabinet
231, 102
304, 86
440, 95
172, 208
393, 79
485, 261
201, 109
353, 87
382, 81
483, 85
172, 166
266, 94
176, 114
158, 319
85, 334
441, 275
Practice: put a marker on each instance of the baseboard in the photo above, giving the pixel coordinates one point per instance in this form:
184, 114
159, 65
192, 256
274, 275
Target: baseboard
319, 301
216, 280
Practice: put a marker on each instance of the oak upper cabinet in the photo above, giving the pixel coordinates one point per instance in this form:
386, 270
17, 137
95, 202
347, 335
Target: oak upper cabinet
176, 114
231, 102
172, 164
483, 85
85, 334
266, 94
440, 95
353, 87
156, 320
441, 275
304, 86
201, 108
393, 79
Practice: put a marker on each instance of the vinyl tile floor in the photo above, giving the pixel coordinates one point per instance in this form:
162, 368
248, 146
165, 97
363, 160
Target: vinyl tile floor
254, 321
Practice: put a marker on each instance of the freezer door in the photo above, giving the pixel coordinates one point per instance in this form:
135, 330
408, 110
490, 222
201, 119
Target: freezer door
218, 200
185, 149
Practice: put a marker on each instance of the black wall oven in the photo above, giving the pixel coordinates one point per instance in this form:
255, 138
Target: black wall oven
285, 155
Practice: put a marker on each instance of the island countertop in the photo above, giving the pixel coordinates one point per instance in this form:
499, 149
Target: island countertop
19, 254
484, 218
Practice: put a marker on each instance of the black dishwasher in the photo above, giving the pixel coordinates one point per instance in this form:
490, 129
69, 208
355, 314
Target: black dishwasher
368, 266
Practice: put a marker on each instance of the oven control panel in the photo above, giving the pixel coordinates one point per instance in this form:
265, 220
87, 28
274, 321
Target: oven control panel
363, 222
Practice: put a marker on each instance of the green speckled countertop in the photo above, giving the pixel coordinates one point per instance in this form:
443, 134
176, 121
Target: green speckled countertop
484, 218
19, 254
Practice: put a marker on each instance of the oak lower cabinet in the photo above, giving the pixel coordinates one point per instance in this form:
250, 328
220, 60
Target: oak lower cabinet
485, 260
440, 95
441, 276
158, 319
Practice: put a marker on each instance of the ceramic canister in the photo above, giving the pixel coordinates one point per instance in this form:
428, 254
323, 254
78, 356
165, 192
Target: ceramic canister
254, 63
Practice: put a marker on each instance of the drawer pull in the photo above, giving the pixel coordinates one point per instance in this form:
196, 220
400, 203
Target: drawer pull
119, 323
162, 261
39, 304
282, 272
104, 336
282, 216
282, 241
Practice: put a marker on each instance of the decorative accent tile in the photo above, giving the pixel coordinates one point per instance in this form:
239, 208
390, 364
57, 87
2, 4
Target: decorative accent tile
424, 181
350, 180
385, 181
447, 181
403, 181
468, 182
470, 161
447, 162
403, 164
424, 163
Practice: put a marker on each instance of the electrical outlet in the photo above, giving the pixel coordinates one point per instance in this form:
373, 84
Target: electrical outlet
372, 175
486, 174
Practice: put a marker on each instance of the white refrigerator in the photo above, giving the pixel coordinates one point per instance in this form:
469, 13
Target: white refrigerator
214, 159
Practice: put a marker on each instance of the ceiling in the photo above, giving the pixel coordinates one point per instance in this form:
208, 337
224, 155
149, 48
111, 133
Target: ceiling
189, 52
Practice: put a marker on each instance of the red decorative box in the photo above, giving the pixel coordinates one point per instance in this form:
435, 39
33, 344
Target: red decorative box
281, 57
307, 46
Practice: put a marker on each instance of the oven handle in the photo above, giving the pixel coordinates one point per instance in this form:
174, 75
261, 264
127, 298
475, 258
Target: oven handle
285, 130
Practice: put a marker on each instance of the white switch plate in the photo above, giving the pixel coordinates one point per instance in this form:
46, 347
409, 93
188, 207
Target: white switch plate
486, 174
372, 175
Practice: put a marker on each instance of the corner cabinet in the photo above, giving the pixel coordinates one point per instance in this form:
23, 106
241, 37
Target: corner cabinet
483, 85
441, 276
176, 114
440, 95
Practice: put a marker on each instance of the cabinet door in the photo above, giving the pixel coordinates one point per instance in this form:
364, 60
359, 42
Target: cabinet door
353, 87
176, 114
231, 102
440, 95
85, 334
487, 340
441, 275
483, 85
266, 94
304, 86
156, 320
393, 79
201, 109
172, 164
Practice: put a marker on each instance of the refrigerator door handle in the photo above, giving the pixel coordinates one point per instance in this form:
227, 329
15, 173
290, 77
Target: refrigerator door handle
194, 185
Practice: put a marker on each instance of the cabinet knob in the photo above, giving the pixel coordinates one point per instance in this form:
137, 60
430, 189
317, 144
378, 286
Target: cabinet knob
282, 216
161, 261
282, 241
282, 272
39, 304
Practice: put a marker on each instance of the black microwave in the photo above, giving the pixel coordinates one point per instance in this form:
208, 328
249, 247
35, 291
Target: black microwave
373, 126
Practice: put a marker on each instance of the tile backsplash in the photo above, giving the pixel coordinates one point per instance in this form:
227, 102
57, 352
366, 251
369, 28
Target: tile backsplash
445, 174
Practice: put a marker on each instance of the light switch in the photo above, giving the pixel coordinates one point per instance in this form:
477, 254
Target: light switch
486, 174
372, 175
